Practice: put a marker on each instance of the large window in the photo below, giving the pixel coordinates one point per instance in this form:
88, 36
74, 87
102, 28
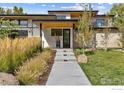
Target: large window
100, 22
23, 33
20, 33
24, 23
56, 32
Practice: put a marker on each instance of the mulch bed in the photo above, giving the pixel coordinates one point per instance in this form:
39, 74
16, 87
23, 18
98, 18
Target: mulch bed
44, 77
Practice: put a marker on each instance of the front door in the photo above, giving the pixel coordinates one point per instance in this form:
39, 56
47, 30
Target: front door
66, 38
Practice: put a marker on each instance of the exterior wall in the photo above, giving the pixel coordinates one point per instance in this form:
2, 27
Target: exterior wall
30, 30
36, 30
113, 40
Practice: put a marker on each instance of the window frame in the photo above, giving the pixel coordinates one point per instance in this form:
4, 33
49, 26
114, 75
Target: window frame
56, 29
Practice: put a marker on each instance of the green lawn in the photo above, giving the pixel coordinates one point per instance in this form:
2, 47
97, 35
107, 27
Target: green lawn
105, 68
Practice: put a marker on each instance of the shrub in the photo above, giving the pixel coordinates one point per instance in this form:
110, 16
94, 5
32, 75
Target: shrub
87, 51
29, 72
78, 51
14, 51
90, 51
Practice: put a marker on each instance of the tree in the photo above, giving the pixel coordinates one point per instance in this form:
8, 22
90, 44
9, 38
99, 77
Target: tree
2, 11
84, 35
7, 27
15, 10
118, 11
106, 36
20, 11
9, 11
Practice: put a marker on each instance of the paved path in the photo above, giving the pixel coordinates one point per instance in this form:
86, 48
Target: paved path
66, 71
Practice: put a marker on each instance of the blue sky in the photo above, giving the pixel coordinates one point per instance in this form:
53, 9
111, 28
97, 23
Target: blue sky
41, 8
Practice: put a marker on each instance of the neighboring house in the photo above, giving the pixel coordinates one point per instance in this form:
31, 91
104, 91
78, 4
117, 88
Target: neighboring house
57, 28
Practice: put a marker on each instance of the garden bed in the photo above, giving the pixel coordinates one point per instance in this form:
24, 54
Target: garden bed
44, 77
35, 71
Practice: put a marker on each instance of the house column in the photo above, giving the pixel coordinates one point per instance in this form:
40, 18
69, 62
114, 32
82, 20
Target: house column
73, 33
71, 37
30, 28
42, 45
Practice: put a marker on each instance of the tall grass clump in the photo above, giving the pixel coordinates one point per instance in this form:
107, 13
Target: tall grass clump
14, 51
30, 71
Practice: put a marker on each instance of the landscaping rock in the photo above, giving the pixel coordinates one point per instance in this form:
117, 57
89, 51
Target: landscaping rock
8, 79
82, 58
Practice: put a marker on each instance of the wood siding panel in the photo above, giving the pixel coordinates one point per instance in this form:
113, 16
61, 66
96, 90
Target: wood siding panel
57, 25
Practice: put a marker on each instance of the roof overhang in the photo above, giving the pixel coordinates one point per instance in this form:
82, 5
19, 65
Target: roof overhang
2, 15
104, 15
71, 11
57, 20
105, 27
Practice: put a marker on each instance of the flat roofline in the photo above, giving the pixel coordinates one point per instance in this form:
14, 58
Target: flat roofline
26, 15
70, 11
57, 20
105, 27
104, 15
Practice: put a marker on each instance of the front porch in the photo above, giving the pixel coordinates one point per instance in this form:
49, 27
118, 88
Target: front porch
57, 34
57, 38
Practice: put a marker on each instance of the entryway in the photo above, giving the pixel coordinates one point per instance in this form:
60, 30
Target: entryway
66, 38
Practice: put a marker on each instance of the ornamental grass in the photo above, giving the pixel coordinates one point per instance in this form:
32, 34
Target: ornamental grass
13, 52
31, 70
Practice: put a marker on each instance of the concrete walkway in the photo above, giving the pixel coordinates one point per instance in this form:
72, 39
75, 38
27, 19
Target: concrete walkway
66, 71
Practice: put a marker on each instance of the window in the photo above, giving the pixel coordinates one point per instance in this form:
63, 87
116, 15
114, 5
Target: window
23, 23
56, 32
100, 22
20, 33
61, 16
23, 33
15, 21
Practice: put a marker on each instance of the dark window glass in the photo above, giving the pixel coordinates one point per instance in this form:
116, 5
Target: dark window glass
56, 32
23, 33
100, 22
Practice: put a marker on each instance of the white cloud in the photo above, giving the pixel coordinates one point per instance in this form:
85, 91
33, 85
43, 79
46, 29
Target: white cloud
43, 5
36, 12
52, 5
75, 7
101, 12
5, 7
101, 7
100, 3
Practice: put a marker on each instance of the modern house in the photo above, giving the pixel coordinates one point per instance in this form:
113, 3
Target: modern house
57, 28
